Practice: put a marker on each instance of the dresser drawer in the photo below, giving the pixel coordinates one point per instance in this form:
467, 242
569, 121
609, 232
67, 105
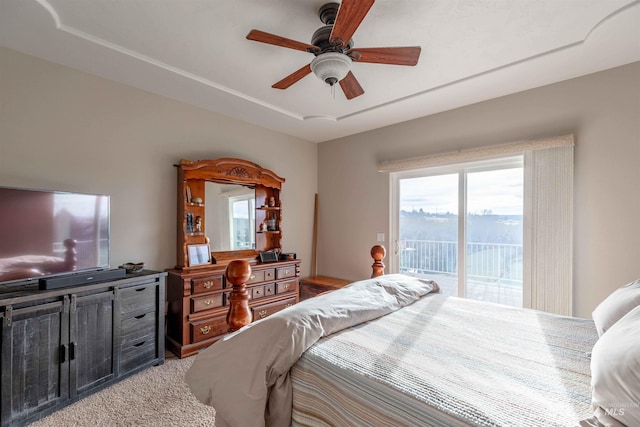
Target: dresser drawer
256, 277
269, 274
262, 311
206, 284
209, 328
136, 354
206, 302
257, 292
135, 328
284, 272
138, 299
286, 286
269, 289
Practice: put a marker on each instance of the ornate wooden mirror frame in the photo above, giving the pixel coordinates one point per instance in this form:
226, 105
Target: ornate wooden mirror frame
192, 229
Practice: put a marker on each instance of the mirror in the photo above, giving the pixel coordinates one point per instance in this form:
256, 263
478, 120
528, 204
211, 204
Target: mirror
221, 202
230, 216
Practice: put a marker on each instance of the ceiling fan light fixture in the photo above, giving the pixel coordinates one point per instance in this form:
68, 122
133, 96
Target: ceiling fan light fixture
331, 67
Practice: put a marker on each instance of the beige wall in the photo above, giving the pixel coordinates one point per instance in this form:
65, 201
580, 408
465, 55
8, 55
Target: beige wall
603, 112
66, 130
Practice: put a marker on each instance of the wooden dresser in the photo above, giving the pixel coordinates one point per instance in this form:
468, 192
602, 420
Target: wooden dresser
199, 301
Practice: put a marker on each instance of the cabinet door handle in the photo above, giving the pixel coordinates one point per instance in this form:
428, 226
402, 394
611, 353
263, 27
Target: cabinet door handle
262, 314
205, 330
208, 284
72, 351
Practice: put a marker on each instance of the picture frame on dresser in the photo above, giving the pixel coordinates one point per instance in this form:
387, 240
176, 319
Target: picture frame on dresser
199, 255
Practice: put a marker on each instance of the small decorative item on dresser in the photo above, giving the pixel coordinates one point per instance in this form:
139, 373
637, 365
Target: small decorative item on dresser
189, 225
268, 256
199, 255
272, 224
133, 267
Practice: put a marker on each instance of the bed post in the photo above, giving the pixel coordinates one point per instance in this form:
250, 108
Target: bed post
378, 253
239, 315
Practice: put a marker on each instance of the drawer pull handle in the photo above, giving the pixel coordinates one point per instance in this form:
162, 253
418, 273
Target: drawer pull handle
286, 287
139, 344
205, 330
253, 276
141, 316
141, 289
286, 272
288, 305
262, 314
208, 302
208, 284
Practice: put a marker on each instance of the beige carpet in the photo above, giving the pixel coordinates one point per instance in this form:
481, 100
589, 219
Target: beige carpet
157, 396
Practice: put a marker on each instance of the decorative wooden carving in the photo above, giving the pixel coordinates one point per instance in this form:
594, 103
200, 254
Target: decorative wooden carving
238, 273
378, 252
231, 171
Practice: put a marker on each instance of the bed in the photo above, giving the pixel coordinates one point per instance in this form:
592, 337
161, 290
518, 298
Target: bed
393, 351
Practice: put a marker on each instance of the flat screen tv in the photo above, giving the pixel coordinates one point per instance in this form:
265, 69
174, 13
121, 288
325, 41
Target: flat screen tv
49, 233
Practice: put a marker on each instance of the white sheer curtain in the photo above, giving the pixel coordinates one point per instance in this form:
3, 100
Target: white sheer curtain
548, 213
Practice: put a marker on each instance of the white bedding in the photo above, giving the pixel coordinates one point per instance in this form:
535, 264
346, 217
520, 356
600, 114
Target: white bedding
245, 376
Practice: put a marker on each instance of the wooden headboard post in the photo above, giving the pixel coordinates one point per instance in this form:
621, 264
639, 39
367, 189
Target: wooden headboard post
239, 315
378, 252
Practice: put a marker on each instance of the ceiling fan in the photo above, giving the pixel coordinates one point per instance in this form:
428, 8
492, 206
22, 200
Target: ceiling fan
334, 49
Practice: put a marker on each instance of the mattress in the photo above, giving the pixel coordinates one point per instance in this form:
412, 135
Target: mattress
446, 361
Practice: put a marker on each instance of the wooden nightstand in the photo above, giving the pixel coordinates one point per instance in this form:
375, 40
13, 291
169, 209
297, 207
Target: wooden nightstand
312, 286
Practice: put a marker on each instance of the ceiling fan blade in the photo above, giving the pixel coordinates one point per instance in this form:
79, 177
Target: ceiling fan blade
350, 15
293, 77
261, 36
407, 55
350, 86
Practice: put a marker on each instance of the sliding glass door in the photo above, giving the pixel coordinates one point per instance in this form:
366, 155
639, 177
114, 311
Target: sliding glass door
475, 255
428, 229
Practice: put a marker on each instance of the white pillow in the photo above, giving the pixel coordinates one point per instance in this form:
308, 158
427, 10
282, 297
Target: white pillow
615, 373
616, 305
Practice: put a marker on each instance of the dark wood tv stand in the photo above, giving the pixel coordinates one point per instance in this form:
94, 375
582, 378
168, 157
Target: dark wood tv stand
58, 346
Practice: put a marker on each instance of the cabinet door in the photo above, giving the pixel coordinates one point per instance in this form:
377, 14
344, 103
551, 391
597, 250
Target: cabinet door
91, 346
35, 360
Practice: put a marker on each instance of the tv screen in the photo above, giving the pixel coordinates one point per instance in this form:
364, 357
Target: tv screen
46, 233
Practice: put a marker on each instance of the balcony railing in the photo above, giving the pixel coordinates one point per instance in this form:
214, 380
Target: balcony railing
497, 262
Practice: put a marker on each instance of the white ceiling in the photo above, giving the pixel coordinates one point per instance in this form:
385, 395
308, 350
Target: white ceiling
195, 51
